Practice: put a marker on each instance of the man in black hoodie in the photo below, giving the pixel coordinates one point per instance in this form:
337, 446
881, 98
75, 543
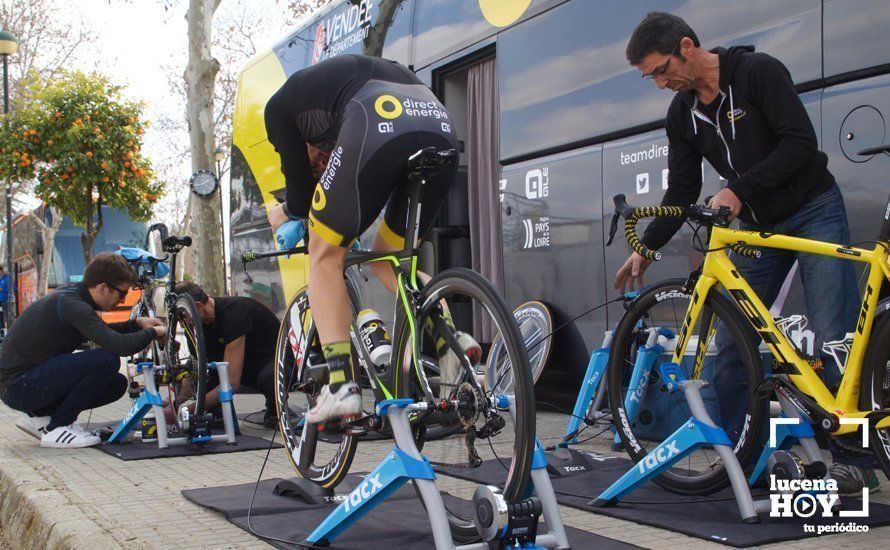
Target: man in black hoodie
739, 110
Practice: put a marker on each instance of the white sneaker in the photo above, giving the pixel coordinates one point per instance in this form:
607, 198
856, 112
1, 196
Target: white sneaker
449, 364
346, 403
69, 437
32, 425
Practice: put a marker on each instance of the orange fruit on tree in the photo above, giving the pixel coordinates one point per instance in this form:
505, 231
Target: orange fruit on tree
64, 176
89, 154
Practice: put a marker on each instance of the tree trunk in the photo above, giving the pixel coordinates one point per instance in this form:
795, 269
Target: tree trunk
373, 43
86, 243
205, 261
49, 238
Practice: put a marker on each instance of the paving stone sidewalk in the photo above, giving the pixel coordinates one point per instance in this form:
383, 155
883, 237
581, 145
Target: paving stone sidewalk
84, 498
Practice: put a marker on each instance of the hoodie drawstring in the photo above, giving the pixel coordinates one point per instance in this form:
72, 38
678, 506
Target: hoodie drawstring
731, 112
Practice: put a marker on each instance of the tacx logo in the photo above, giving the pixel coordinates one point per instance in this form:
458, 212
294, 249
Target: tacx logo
658, 456
363, 492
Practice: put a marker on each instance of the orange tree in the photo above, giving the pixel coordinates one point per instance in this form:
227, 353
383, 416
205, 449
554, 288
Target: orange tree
81, 140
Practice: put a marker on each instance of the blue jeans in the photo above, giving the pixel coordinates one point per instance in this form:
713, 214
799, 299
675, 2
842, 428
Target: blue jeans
66, 385
830, 291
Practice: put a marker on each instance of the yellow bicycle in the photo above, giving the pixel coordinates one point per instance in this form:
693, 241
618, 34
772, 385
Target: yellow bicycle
723, 320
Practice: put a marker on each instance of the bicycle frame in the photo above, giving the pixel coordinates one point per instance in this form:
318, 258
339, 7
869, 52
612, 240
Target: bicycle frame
408, 289
718, 268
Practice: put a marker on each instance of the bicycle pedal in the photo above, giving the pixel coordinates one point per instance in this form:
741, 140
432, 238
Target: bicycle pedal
306, 387
343, 426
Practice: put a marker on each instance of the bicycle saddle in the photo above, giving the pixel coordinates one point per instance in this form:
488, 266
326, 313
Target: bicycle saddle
431, 159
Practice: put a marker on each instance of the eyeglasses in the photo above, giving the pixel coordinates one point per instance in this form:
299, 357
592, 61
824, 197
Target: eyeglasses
660, 71
123, 293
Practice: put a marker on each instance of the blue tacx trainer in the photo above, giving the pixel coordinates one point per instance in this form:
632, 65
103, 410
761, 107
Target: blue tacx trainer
503, 525
698, 431
592, 394
150, 399
701, 431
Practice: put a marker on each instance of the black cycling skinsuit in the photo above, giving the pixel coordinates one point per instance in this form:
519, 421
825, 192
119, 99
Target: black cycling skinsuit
370, 114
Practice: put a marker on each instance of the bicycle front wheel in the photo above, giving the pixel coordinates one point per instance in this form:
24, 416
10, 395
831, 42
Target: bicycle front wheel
720, 350
321, 458
461, 314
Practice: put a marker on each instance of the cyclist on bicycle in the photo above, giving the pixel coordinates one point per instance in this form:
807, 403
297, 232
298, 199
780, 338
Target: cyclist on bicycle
344, 129
739, 110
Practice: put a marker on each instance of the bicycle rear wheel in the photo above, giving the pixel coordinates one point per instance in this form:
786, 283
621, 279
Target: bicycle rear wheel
644, 415
186, 356
300, 367
874, 394
484, 431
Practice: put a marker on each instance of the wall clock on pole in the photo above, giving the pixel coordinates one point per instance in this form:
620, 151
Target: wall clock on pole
204, 183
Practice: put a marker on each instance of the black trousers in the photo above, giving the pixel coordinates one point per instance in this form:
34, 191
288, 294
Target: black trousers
66, 385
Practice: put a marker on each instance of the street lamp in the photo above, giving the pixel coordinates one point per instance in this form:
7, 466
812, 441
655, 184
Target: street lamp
219, 155
9, 44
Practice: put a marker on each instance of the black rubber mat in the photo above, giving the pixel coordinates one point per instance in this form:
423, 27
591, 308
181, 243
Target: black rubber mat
434, 431
714, 518
292, 519
137, 450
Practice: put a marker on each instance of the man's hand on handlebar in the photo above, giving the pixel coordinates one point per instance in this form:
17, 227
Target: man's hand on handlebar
290, 233
630, 275
727, 198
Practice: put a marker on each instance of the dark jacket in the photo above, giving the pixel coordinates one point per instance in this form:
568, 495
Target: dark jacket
309, 108
762, 143
57, 324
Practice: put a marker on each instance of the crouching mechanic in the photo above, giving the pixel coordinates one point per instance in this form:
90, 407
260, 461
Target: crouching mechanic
241, 332
41, 375
344, 130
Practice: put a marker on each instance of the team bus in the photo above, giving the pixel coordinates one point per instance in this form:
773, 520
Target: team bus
553, 122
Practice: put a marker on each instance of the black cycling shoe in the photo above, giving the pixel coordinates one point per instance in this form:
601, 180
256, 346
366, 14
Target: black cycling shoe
270, 419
